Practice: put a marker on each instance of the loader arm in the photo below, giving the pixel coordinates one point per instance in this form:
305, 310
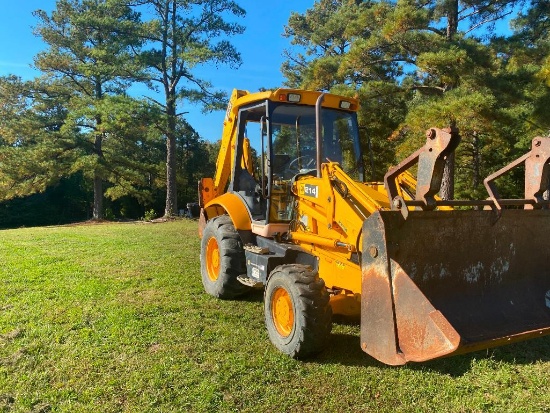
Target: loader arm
330, 212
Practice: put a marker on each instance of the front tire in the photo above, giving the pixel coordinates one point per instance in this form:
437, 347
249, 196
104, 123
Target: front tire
222, 259
298, 316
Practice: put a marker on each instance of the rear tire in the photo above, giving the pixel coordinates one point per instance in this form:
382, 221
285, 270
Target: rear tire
298, 316
222, 259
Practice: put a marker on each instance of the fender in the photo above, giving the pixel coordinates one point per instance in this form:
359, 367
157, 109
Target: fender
235, 208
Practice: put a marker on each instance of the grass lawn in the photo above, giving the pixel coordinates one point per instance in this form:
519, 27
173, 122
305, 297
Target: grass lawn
113, 318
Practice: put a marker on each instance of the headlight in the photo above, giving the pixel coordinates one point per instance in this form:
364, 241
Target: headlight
345, 105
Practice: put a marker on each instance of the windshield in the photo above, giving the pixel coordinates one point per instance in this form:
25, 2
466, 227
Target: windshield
293, 140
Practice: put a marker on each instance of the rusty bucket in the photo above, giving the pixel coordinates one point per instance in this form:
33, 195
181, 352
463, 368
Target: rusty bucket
447, 282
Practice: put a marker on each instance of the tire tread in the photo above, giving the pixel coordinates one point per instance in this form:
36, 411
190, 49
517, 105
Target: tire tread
232, 259
315, 315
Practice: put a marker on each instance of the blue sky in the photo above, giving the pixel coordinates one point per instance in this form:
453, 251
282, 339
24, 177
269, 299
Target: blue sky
261, 48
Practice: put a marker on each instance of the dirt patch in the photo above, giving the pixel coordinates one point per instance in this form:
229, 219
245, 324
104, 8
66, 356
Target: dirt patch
12, 335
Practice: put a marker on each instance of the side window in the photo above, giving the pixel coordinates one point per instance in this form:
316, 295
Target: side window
250, 182
253, 134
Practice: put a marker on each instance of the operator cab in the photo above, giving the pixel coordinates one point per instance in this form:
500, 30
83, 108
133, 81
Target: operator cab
277, 143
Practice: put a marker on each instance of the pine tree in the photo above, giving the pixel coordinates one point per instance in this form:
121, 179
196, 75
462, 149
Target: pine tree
329, 40
415, 65
34, 152
181, 36
89, 51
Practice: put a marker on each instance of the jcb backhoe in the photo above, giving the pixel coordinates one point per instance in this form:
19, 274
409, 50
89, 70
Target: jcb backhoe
289, 211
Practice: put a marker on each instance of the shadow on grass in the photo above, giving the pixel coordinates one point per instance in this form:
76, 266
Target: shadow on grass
344, 349
526, 352
253, 296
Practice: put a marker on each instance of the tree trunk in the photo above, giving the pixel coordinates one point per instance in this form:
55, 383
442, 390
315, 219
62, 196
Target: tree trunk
171, 167
98, 149
171, 189
477, 179
452, 19
448, 181
98, 180
98, 197
170, 44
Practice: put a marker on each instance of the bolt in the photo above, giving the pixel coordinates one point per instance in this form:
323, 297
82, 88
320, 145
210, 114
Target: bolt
373, 251
430, 133
397, 203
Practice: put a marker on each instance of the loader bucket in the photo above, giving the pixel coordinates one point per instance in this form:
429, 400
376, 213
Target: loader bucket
448, 282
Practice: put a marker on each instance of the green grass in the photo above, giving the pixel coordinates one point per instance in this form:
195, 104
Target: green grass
113, 318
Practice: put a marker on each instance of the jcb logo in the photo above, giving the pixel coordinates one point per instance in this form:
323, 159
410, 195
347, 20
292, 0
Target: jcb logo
311, 190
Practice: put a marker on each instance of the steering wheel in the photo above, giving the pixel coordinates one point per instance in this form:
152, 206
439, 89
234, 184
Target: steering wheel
305, 161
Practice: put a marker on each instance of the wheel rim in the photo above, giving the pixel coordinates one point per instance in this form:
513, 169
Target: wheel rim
212, 259
282, 312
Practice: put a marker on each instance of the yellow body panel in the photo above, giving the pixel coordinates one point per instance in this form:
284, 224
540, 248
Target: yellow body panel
233, 205
331, 221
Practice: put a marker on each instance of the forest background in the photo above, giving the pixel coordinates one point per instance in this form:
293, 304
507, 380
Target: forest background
76, 143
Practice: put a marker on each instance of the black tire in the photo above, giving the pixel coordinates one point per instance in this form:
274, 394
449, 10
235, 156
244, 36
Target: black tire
307, 331
222, 259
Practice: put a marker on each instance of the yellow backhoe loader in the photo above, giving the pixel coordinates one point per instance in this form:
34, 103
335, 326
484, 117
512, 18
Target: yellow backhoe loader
289, 210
